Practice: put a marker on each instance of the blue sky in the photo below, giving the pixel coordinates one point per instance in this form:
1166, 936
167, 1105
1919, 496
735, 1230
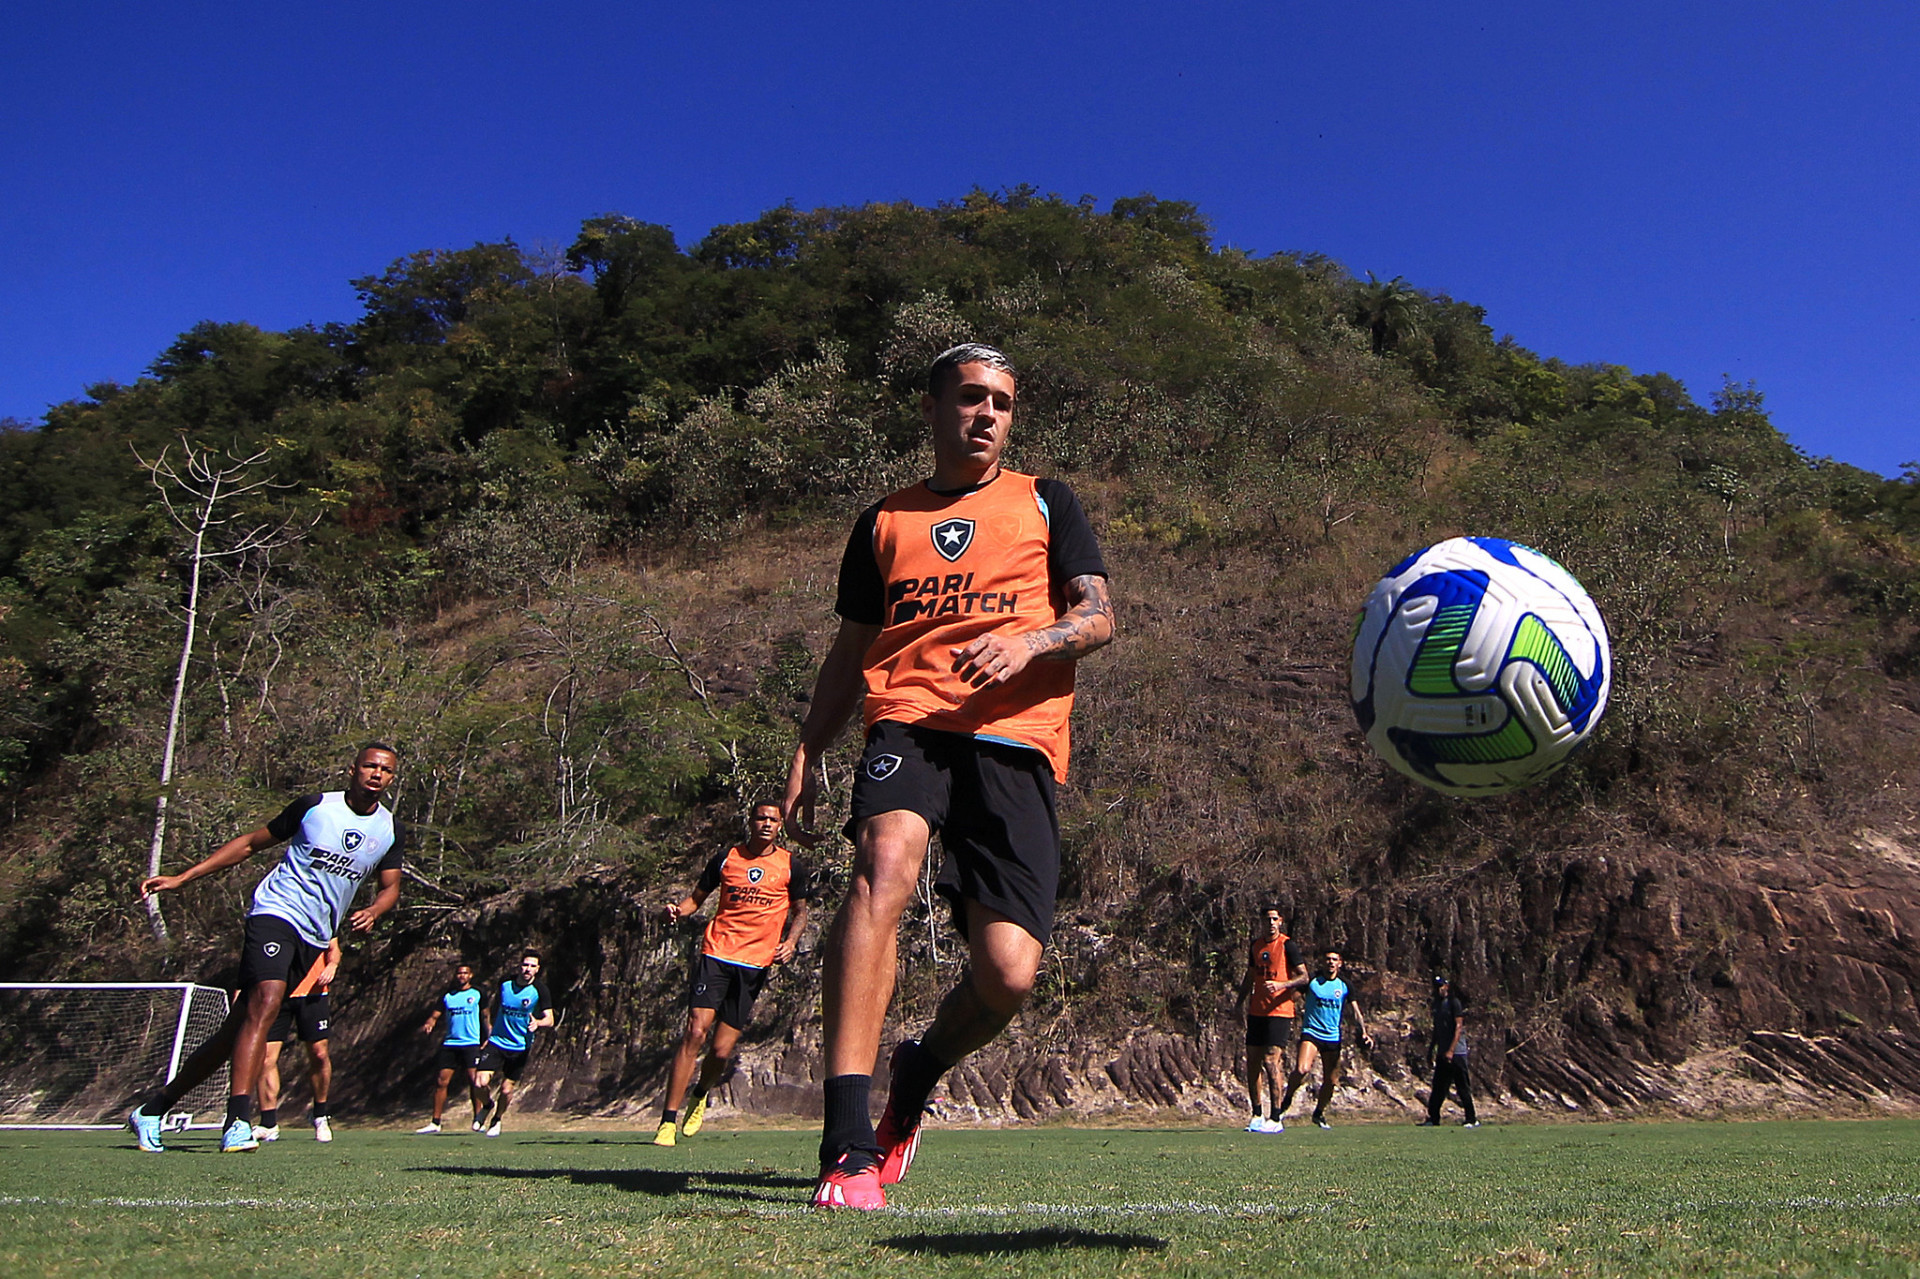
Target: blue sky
1704, 189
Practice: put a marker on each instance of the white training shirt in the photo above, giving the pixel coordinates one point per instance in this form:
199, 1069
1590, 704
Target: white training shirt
331, 849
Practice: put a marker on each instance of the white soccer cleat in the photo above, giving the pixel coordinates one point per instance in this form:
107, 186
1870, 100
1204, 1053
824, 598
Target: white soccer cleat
1275, 1125
322, 1130
1256, 1124
427, 1130
493, 1130
264, 1132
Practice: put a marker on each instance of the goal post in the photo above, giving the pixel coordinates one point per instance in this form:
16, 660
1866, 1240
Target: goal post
81, 1054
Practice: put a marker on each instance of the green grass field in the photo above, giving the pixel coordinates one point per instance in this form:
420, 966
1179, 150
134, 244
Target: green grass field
1579, 1199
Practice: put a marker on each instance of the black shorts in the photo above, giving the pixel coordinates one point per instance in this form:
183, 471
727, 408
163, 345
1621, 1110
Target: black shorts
993, 805
273, 950
1329, 1048
496, 1060
304, 1015
1270, 1032
456, 1057
729, 989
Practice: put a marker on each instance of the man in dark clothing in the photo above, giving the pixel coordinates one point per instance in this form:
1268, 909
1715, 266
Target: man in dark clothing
1448, 1051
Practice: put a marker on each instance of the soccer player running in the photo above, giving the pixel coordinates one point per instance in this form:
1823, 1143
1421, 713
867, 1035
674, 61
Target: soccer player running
1274, 972
334, 840
1448, 1050
306, 1012
964, 603
459, 1052
518, 1009
763, 908
1329, 1002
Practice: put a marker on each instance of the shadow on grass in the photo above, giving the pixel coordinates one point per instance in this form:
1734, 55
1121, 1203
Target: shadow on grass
986, 1242
660, 1182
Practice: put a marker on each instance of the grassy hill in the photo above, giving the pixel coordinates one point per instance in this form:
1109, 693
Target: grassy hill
565, 530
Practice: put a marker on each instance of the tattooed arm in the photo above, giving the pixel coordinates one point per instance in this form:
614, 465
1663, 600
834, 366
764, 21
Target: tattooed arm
1086, 625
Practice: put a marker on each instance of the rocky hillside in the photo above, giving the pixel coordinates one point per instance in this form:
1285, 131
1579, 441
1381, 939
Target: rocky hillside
1626, 952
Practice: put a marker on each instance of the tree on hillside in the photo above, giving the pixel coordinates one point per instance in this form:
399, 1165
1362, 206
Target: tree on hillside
420, 298
200, 493
1388, 310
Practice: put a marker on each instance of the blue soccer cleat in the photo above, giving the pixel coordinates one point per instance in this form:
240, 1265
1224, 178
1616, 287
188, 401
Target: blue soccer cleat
238, 1136
146, 1130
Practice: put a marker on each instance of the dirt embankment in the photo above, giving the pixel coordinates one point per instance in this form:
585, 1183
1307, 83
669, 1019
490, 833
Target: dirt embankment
1604, 983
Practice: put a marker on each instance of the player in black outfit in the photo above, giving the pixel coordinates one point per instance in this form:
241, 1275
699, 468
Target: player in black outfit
1448, 1050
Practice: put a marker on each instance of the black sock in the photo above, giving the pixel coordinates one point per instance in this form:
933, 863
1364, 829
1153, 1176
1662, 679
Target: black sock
913, 1083
156, 1106
239, 1107
270, 1118
320, 1110
849, 1125
500, 1107
669, 1116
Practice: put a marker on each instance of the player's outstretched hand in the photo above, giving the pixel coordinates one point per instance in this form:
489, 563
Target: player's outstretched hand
673, 912
363, 920
158, 884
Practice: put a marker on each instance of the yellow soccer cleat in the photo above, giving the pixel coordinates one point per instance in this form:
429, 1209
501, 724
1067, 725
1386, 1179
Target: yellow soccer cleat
665, 1136
696, 1115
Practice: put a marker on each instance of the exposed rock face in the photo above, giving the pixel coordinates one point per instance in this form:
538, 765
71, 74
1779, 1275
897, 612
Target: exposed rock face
1602, 983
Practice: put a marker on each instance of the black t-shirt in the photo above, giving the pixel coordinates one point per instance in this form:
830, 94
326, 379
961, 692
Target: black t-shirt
1446, 1015
1072, 551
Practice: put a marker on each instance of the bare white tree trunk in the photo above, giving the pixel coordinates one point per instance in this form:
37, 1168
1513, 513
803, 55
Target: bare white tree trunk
154, 916
207, 483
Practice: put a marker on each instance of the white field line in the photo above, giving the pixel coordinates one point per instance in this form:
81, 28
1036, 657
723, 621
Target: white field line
1893, 1199
972, 1212
1070, 1212
1191, 1208
127, 1201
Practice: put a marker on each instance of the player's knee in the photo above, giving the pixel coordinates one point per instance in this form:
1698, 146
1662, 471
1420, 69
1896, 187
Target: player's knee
883, 889
887, 871
1003, 990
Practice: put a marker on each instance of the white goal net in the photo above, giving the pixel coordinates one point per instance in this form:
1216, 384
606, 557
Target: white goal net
81, 1054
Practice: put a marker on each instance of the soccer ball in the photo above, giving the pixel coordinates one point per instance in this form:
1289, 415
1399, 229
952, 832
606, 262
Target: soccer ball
1478, 666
